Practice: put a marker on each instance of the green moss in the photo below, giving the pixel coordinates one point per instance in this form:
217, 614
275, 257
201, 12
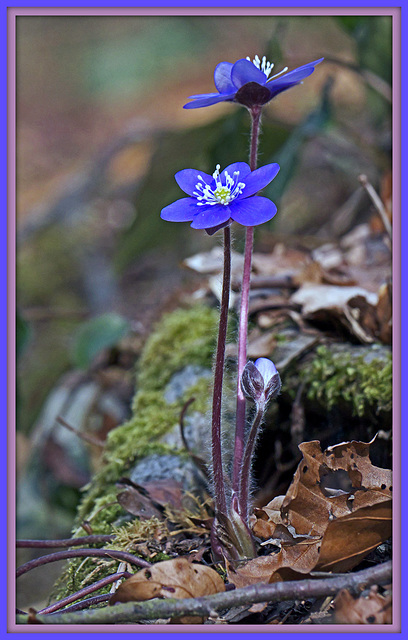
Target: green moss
186, 336
339, 379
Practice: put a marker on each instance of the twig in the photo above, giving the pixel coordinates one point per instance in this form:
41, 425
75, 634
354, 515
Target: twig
65, 542
377, 202
85, 591
77, 553
83, 436
210, 605
88, 602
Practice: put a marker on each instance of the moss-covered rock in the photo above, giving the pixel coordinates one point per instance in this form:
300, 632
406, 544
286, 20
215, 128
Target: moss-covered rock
183, 338
357, 380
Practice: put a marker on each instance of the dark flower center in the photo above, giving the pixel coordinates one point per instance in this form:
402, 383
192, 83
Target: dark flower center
252, 94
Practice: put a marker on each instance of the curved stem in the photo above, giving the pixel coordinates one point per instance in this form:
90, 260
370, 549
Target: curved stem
244, 479
65, 542
85, 591
243, 318
77, 553
219, 485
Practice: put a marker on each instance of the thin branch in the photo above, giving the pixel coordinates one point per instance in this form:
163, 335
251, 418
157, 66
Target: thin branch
85, 591
78, 553
84, 436
132, 612
88, 602
64, 542
377, 202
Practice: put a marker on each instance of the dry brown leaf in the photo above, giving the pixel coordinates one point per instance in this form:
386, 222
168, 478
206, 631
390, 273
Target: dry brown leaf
348, 540
384, 313
337, 509
165, 492
309, 505
176, 578
282, 260
352, 307
134, 502
300, 559
371, 609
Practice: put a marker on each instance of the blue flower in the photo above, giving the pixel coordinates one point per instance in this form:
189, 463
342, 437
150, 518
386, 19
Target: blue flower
249, 83
225, 196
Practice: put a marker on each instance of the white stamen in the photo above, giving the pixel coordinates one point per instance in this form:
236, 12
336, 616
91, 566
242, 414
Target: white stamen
222, 193
264, 66
278, 74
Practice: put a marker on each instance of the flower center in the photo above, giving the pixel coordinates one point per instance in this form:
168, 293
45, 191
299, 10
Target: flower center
223, 190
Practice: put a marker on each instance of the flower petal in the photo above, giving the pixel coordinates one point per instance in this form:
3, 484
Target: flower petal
211, 216
182, 210
244, 71
258, 179
242, 167
222, 78
266, 368
252, 211
293, 77
187, 179
208, 99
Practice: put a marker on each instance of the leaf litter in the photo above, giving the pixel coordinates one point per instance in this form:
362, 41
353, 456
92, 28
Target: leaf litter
336, 511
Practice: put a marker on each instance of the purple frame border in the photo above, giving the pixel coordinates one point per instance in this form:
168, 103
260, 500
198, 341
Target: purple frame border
26, 7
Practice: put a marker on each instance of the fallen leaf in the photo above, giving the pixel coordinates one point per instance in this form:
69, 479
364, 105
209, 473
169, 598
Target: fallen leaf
176, 578
373, 608
384, 313
337, 509
134, 502
353, 307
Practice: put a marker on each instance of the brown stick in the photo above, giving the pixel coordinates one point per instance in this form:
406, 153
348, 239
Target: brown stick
209, 605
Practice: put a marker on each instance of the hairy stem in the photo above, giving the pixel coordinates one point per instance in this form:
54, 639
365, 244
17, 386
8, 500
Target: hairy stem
243, 318
219, 485
245, 474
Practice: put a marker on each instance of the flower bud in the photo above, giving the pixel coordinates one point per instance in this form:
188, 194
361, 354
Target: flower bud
260, 380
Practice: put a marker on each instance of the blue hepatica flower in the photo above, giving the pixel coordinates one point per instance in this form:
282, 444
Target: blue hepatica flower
224, 196
249, 83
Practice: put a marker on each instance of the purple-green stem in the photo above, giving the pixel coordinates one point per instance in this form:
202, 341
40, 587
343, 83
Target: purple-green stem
243, 323
219, 484
246, 462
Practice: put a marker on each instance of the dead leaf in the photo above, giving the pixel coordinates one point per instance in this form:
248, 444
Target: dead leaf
176, 578
165, 492
384, 313
349, 539
337, 509
371, 609
134, 502
353, 307
307, 505
210, 262
282, 260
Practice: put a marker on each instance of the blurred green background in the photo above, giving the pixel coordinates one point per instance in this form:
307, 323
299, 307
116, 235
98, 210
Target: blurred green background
101, 132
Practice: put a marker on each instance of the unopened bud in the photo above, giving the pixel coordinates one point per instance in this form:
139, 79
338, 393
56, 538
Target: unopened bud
260, 380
